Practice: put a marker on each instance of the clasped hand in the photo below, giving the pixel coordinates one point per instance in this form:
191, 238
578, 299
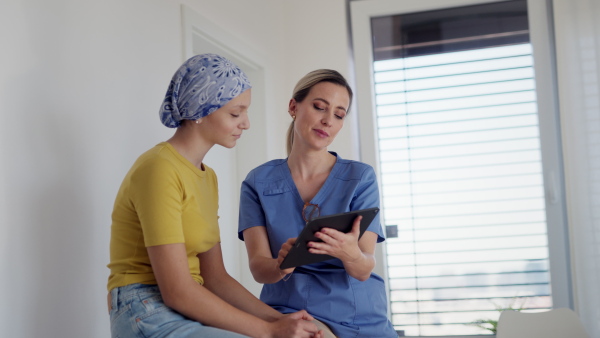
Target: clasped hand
297, 324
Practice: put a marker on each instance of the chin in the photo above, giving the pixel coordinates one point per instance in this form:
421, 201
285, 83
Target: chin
229, 145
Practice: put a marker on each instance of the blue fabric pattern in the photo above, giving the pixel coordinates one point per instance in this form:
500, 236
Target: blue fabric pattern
203, 84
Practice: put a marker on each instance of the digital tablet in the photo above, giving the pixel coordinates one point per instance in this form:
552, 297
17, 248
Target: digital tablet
299, 254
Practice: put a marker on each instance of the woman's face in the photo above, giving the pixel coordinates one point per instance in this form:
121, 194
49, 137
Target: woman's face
225, 126
320, 116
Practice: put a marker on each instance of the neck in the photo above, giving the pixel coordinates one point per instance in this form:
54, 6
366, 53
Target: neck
309, 164
190, 145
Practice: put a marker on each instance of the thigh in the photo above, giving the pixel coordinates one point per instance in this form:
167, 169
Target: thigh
170, 324
200, 331
140, 312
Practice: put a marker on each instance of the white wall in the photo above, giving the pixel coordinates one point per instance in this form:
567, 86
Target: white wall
80, 87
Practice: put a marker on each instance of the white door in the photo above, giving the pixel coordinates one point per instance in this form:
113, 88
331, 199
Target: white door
232, 165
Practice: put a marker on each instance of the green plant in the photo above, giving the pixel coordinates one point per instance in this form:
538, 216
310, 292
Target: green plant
486, 324
492, 324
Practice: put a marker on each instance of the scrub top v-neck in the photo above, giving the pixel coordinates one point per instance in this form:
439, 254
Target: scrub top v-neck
321, 195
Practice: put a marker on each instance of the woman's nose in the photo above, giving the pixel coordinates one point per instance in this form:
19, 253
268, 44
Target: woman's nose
245, 123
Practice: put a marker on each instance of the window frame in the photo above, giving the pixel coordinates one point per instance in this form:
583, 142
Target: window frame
542, 40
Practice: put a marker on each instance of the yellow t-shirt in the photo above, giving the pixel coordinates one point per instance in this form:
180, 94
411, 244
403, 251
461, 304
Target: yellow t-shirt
164, 199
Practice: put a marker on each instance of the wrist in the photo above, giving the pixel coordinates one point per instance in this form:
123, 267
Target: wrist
356, 259
265, 330
273, 316
281, 273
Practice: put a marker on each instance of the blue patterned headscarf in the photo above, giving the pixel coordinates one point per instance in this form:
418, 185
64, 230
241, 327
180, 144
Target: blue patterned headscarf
203, 84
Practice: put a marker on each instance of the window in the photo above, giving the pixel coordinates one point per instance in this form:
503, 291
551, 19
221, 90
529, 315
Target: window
463, 168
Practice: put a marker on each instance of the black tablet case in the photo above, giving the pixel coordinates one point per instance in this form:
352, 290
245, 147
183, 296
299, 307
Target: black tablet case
299, 254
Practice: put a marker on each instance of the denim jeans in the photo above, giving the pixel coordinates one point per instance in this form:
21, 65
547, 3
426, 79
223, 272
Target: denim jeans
137, 310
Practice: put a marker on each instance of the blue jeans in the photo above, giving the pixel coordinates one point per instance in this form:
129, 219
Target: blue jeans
137, 310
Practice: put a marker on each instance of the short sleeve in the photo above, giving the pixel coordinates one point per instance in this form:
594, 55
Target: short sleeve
251, 211
157, 198
367, 196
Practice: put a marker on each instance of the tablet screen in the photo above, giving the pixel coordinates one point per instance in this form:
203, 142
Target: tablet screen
299, 254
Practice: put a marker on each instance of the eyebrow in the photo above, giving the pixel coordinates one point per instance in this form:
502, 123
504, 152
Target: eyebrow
340, 107
243, 106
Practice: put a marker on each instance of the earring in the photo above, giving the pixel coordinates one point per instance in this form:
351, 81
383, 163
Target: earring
197, 121
294, 117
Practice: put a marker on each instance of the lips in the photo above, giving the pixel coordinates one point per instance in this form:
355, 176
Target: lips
321, 133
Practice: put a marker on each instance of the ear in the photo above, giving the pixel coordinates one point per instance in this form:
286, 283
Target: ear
292, 107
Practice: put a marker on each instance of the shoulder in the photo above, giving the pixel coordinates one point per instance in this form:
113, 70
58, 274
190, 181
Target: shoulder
269, 171
353, 170
158, 163
157, 158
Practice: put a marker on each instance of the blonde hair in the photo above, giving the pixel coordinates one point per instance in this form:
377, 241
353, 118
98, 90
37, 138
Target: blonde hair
304, 86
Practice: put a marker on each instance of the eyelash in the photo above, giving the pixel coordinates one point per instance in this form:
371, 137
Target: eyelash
234, 115
321, 109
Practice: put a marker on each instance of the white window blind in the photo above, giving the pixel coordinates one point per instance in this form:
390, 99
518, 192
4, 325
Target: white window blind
461, 177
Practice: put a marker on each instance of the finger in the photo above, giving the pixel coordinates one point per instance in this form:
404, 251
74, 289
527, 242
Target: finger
324, 250
302, 314
320, 252
295, 315
280, 256
288, 270
331, 236
287, 245
321, 246
307, 316
284, 271
356, 226
332, 233
311, 327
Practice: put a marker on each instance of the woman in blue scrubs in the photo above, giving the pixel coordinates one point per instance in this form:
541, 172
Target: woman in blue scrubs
280, 196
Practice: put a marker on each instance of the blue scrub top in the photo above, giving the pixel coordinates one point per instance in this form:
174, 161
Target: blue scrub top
269, 198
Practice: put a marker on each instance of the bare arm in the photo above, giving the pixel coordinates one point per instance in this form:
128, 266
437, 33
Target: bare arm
264, 268
223, 285
356, 255
183, 294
